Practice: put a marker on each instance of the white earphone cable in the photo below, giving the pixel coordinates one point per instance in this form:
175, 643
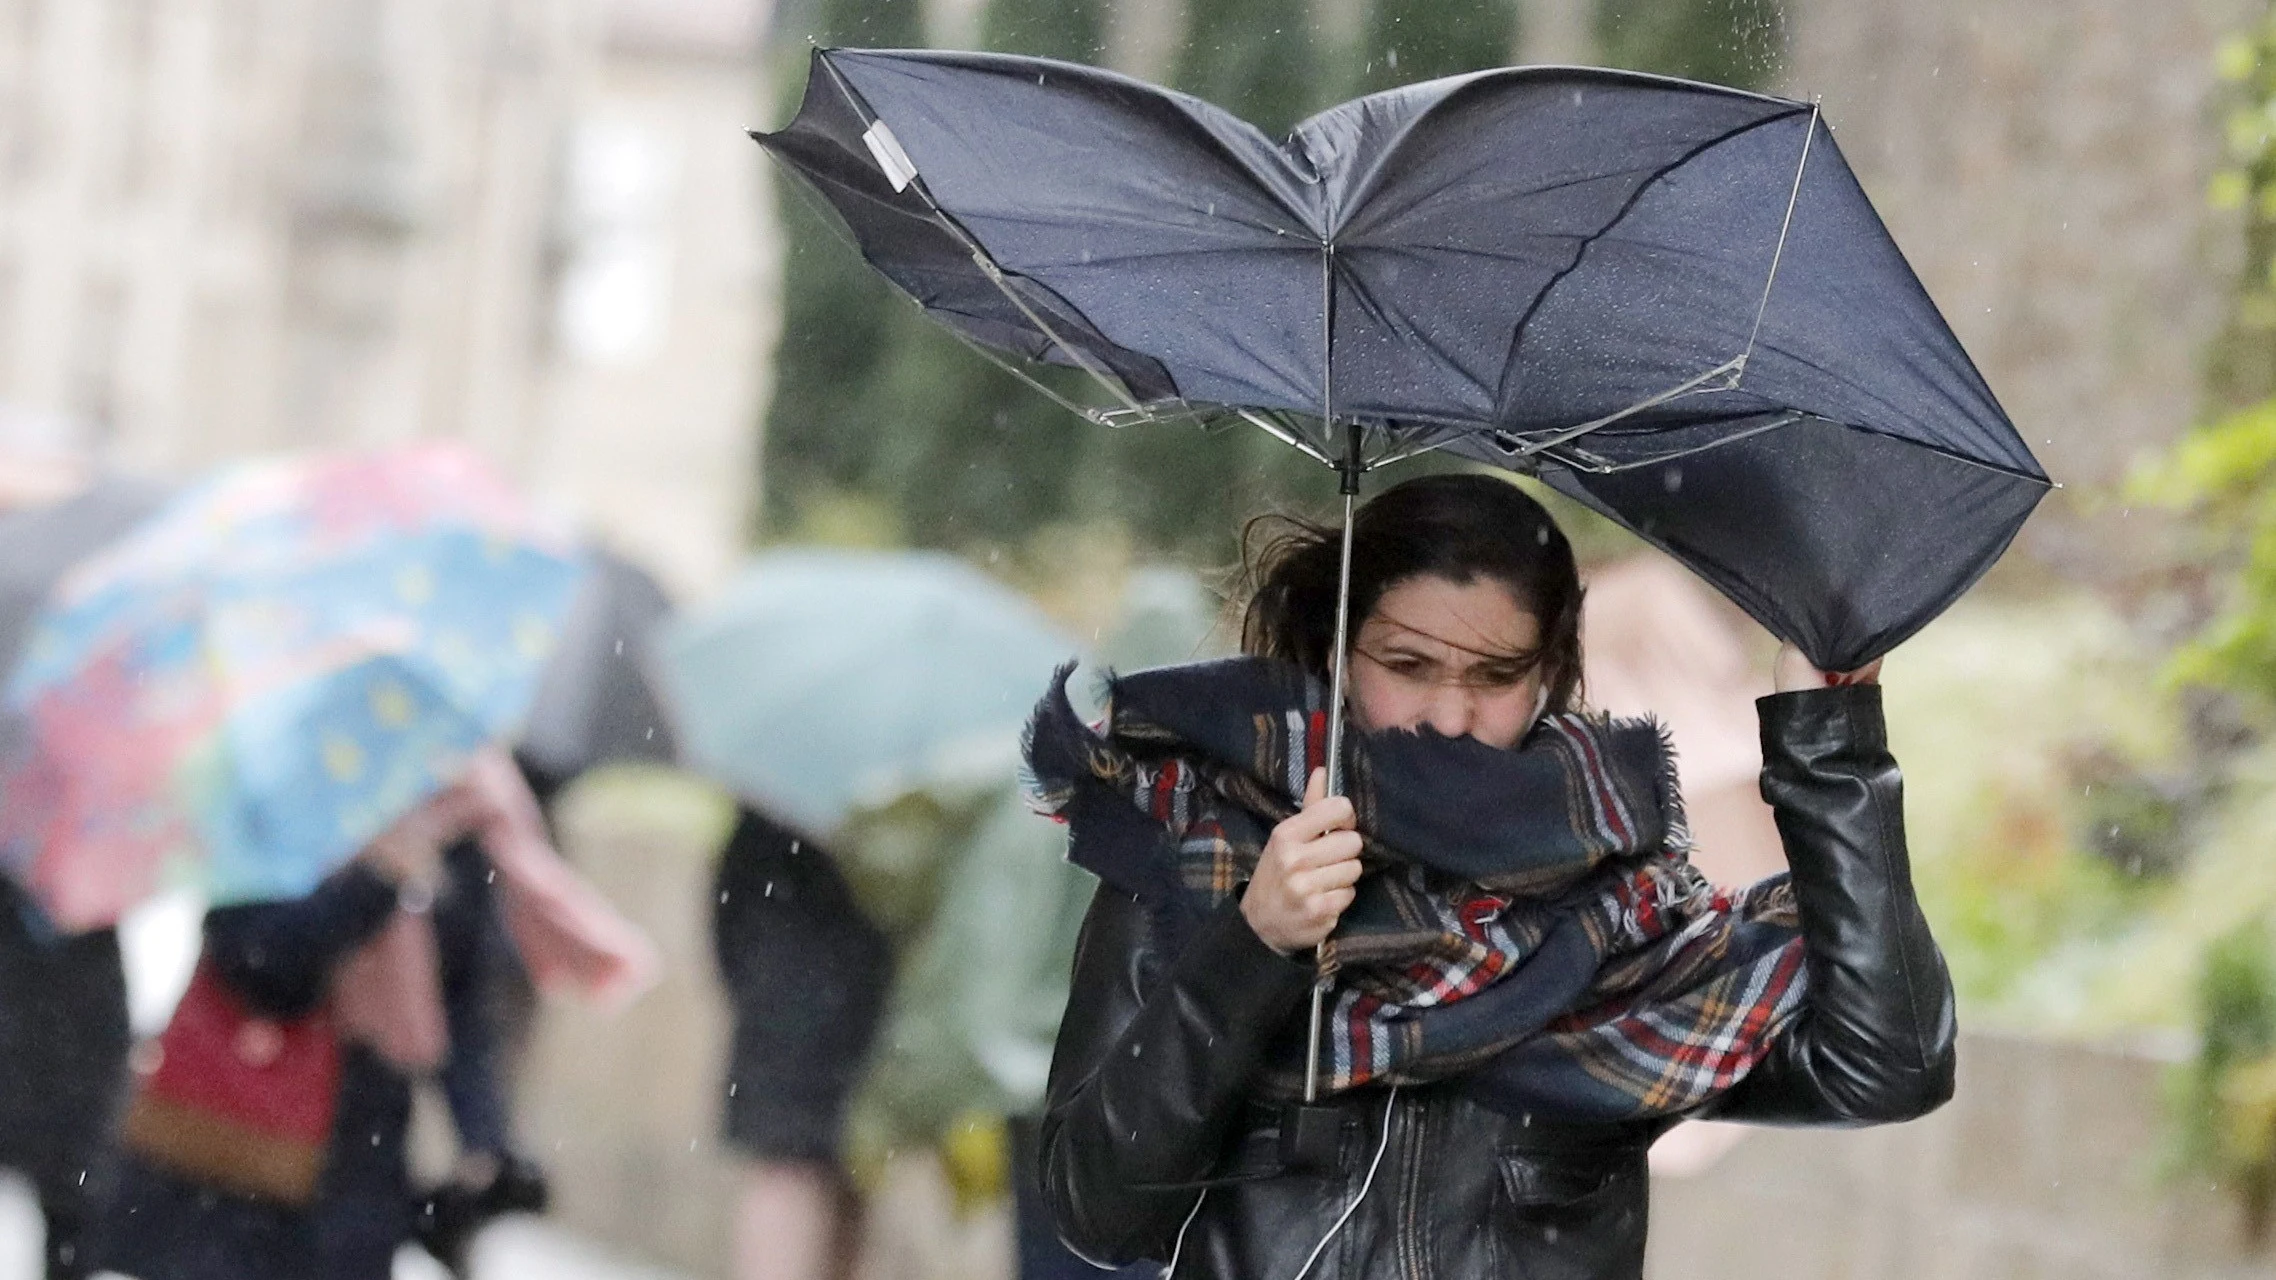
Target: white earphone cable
1368, 1184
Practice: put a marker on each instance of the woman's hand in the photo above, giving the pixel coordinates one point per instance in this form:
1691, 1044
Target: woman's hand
1793, 671
1305, 875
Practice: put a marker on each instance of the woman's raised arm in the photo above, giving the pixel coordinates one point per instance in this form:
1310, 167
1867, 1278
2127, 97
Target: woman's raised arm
1874, 1041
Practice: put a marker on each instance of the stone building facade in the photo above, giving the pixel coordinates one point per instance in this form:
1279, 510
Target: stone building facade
239, 225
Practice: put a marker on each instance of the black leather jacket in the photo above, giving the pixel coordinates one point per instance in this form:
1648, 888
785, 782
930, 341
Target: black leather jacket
1149, 1098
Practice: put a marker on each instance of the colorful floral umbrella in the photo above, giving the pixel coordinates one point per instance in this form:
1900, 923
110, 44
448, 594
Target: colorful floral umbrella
267, 672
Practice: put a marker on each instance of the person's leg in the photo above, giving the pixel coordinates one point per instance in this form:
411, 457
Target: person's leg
806, 974
789, 1222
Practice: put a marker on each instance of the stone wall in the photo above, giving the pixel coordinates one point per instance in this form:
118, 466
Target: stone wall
2043, 1165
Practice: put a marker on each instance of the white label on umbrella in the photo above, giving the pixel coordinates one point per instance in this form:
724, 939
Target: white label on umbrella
886, 149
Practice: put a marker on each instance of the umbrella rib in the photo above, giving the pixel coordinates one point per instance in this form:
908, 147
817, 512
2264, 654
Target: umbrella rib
1605, 467
1628, 206
827, 217
1778, 255
1081, 411
1602, 467
1528, 448
1284, 434
1438, 438
980, 256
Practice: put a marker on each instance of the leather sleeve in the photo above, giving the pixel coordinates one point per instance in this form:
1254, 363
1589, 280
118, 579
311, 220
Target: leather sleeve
1874, 1041
1151, 1068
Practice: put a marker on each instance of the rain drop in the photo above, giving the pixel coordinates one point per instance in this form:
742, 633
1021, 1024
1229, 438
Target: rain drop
1672, 479
620, 646
769, 890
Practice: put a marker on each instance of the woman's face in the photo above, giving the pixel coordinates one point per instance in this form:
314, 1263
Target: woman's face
1458, 657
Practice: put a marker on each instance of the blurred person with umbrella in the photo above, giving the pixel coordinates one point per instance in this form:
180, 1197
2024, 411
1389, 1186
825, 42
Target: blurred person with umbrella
63, 1001
285, 665
860, 706
968, 1034
1670, 301
594, 706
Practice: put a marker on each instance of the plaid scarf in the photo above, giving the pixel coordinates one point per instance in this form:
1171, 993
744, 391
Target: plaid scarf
1529, 922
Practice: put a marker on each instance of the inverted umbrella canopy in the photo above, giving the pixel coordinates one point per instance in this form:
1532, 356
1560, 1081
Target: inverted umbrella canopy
1671, 301
823, 680
266, 672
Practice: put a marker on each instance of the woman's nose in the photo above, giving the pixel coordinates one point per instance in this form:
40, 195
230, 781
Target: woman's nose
1452, 712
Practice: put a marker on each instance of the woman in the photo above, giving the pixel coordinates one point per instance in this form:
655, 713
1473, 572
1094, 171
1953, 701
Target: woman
358, 959
1531, 983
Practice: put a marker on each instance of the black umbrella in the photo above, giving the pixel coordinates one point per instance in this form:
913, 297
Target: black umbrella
594, 702
1671, 301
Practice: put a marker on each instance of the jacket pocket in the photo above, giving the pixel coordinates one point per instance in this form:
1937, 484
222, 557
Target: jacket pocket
1571, 1215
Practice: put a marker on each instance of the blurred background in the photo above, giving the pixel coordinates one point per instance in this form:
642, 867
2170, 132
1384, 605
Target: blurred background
234, 227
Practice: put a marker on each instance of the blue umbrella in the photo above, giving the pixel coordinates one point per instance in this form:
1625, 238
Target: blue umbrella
824, 680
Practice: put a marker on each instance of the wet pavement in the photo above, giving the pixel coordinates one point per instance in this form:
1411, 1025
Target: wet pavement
517, 1249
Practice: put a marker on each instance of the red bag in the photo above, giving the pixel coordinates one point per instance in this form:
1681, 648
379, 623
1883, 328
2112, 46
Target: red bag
237, 1101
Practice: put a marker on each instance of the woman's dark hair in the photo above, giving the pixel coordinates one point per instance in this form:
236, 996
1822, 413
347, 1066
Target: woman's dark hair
1458, 527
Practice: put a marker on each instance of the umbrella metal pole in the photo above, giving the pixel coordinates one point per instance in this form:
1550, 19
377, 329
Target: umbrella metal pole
1348, 473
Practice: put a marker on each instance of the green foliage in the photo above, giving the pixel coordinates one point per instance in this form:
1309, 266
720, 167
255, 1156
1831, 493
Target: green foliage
1074, 30
1410, 40
2226, 473
1733, 42
2224, 1101
2243, 366
836, 312
1257, 59
2000, 917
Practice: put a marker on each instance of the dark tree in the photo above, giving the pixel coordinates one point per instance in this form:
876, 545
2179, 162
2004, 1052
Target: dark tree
1411, 40
1740, 43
